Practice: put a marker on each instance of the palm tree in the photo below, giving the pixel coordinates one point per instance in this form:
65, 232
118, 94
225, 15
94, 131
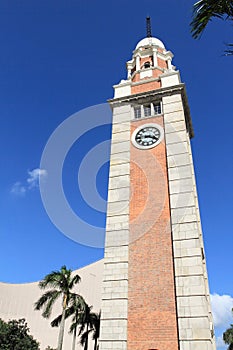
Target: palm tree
228, 337
77, 306
60, 283
90, 323
96, 328
85, 325
205, 10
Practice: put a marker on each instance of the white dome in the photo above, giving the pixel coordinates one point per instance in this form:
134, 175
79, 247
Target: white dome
150, 41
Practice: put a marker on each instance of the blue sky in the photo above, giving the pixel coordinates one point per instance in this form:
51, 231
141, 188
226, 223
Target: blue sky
58, 57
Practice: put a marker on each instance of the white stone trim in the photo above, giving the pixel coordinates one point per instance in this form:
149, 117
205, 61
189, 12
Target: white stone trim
113, 329
190, 269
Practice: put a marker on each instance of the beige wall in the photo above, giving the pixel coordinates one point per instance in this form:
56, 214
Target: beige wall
17, 300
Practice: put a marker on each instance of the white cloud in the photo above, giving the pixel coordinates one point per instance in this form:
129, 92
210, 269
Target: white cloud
221, 307
32, 181
34, 176
18, 189
220, 343
222, 314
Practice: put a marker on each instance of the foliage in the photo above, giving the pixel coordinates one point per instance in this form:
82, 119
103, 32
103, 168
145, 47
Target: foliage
83, 318
96, 329
203, 13
89, 323
14, 335
76, 307
86, 325
60, 284
204, 10
228, 337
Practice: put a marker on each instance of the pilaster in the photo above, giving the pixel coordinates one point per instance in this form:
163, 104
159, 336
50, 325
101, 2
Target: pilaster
113, 332
192, 294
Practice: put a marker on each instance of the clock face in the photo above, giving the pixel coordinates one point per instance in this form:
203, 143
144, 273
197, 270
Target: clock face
147, 136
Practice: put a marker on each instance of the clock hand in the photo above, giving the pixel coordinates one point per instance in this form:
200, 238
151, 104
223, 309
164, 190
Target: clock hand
150, 136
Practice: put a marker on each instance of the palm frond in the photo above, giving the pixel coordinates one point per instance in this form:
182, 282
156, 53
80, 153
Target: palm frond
46, 301
81, 328
73, 327
85, 318
52, 280
76, 279
48, 306
205, 10
62, 280
84, 337
56, 278
69, 312
77, 301
65, 278
96, 325
65, 271
56, 322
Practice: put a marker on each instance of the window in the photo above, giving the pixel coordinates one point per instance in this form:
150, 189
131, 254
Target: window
147, 110
137, 112
157, 108
147, 64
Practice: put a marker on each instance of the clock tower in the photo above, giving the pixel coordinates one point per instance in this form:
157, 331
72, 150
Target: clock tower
155, 292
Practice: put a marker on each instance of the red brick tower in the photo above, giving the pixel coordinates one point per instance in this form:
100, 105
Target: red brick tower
155, 289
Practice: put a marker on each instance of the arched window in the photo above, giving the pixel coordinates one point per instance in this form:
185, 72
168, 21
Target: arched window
147, 64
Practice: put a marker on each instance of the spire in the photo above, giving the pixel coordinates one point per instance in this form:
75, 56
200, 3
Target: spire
148, 27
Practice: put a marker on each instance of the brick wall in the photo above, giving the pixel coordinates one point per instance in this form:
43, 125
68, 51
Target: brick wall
152, 85
151, 298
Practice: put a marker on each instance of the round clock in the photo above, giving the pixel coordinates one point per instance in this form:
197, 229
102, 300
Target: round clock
147, 136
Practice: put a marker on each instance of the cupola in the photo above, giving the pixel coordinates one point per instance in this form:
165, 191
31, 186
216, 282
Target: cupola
150, 67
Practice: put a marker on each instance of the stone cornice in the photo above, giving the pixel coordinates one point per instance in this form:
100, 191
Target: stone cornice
144, 97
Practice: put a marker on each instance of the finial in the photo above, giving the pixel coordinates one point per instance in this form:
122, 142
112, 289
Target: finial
148, 27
